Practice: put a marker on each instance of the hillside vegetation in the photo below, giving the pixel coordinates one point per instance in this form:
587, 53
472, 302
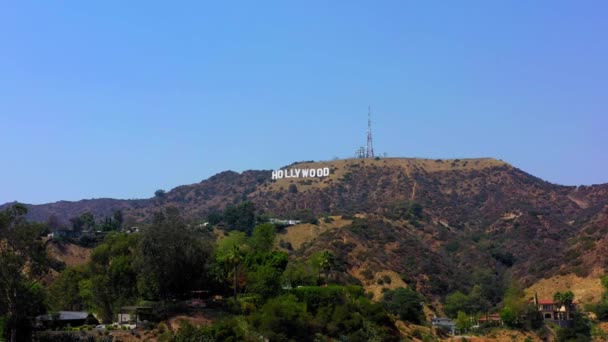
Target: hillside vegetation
464, 235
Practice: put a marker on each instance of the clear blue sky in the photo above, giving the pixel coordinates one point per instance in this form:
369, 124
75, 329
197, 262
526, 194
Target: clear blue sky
120, 98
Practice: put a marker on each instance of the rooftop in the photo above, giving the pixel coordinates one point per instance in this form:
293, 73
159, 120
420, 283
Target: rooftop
65, 316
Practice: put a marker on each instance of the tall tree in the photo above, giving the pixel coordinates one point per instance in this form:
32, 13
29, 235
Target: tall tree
88, 221
111, 279
234, 258
326, 263
262, 239
172, 258
23, 263
118, 219
240, 217
229, 254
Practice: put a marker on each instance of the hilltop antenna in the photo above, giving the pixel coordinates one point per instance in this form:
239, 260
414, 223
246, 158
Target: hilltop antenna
369, 151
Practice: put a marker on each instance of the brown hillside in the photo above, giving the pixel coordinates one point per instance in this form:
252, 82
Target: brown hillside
68, 253
473, 215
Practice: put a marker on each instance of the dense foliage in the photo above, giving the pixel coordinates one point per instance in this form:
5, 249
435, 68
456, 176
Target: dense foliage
267, 294
165, 261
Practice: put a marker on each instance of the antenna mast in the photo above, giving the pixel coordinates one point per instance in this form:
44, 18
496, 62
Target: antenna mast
369, 152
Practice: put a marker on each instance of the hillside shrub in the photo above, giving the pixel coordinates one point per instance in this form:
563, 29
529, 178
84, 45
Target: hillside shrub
406, 303
367, 274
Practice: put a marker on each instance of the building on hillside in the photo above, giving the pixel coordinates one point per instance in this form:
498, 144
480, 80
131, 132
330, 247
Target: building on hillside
64, 233
285, 222
137, 315
444, 323
132, 230
491, 319
62, 319
558, 313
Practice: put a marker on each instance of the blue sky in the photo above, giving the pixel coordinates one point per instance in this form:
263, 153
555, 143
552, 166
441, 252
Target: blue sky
118, 99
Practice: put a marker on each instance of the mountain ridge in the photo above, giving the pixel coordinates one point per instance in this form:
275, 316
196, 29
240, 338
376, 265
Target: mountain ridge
104, 206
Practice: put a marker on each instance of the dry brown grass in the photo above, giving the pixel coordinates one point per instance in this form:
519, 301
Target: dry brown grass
371, 285
340, 167
586, 290
68, 253
301, 233
195, 319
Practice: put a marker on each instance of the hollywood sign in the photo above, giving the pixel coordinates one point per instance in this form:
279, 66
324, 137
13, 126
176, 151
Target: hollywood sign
300, 173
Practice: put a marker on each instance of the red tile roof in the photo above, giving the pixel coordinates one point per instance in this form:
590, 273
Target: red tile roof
492, 317
547, 302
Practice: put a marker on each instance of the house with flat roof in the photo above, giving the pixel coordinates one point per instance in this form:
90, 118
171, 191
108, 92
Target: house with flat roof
65, 318
444, 323
134, 314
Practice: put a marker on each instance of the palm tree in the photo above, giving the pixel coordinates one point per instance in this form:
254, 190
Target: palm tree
563, 300
558, 298
234, 258
326, 263
568, 298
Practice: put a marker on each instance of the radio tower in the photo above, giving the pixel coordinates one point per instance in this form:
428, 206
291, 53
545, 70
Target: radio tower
369, 151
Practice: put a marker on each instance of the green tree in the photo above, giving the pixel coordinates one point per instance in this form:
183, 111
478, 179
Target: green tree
234, 259
300, 272
492, 287
265, 281
88, 221
229, 254
23, 263
214, 218
414, 211
580, 330
477, 302
326, 263
110, 279
262, 239
118, 219
601, 308
514, 306
283, 318
172, 259
509, 316
241, 217
406, 303
463, 322
64, 293
455, 302
77, 223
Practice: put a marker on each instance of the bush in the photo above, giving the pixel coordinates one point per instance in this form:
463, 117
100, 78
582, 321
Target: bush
283, 317
286, 245
406, 303
367, 274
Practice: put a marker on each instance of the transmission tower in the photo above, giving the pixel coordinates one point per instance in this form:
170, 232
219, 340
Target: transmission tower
369, 151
